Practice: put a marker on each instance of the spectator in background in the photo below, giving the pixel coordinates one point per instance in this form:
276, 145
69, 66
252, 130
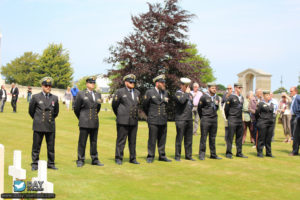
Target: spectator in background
252, 108
3, 97
285, 115
14, 96
196, 97
246, 117
276, 104
68, 98
29, 93
74, 92
224, 98
258, 95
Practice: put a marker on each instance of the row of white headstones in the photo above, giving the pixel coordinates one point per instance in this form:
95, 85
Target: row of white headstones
18, 173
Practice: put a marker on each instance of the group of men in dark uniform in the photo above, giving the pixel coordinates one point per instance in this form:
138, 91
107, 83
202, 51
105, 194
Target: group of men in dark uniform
44, 108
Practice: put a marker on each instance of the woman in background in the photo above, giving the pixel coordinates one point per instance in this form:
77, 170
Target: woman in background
285, 115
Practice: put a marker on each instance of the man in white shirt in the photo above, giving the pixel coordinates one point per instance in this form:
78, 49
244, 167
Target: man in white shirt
196, 97
275, 104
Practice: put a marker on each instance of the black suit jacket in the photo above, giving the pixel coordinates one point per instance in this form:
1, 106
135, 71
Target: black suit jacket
14, 94
155, 107
1, 93
86, 109
207, 109
184, 106
43, 112
126, 108
234, 108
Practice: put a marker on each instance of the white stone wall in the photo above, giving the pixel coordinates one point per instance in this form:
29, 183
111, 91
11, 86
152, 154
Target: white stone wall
23, 92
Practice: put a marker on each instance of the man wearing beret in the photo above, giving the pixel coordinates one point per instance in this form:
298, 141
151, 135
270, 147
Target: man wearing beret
233, 111
207, 109
43, 109
86, 108
125, 106
184, 120
154, 106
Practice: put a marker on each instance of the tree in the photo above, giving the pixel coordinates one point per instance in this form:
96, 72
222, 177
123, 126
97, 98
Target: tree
55, 62
22, 70
221, 87
157, 46
280, 90
199, 63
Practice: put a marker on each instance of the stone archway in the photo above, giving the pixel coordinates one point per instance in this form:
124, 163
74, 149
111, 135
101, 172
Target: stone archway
262, 80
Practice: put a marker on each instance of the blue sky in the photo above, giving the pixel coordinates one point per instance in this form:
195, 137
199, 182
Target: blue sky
233, 34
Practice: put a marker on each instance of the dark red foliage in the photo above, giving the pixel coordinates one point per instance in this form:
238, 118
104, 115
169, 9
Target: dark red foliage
155, 47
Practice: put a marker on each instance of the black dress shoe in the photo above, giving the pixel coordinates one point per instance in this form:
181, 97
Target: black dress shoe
215, 157
52, 167
34, 167
80, 164
241, 156
229, 156
149, 160
98, 163
134, 162
201, 158
191, 159
260, 155
177, 159
165, 160
119, 162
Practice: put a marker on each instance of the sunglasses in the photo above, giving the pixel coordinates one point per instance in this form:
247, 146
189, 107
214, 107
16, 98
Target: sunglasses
48, 86
131, 82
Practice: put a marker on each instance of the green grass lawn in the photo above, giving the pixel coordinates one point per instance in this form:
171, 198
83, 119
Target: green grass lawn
252, 178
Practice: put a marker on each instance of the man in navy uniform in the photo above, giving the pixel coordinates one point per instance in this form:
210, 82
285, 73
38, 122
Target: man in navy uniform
264, 116
207, 109
43, 109
14, 96
154, 106
233, 112
125, 106
184, 120
86, 108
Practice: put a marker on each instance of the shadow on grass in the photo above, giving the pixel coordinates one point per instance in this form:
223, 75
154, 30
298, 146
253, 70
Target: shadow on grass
284, 151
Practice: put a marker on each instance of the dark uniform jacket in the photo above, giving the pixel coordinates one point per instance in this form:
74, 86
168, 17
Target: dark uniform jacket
126, 108
208, 107
154, 107
233, 108
184, 106
264, 112
43, 112
16, 93
1, 93
86, 109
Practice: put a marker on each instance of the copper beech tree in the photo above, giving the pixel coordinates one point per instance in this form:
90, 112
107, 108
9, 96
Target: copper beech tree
156, 46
